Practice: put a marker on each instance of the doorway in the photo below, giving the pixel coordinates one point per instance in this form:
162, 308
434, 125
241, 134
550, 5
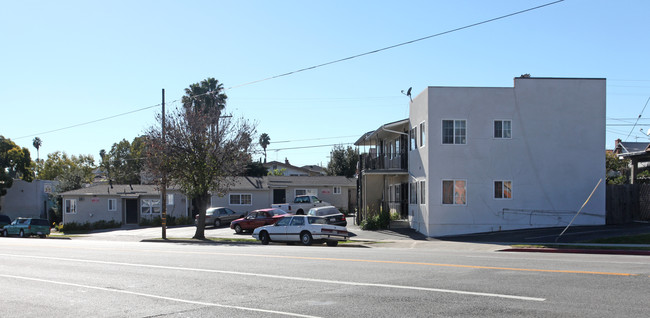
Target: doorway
279, 196
131, 211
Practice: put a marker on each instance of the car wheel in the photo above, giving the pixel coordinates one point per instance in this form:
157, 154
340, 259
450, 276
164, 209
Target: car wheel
305, 238
264, 237
332, 243
238, 229
3, 233
217, 223
22, 233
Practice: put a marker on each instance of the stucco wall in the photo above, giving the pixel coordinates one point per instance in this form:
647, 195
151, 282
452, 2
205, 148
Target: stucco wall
27, 199
554, 159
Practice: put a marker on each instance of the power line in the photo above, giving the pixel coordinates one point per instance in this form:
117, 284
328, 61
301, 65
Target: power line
637, 120
322, 138
313, 67
397, 45
306, 147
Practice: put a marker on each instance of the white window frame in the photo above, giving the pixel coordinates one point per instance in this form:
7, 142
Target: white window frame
153, 206
455, 194
241, 199
455, 136
70, 206
503, 130
112, 205
336, 190
423, 132
503, 187
170, 199
423, 192
413, 138
413, 192
307, 191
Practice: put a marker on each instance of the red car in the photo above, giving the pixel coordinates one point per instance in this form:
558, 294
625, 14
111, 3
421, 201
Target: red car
257, 218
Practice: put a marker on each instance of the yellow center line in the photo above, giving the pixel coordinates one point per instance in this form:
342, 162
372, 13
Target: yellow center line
361, 261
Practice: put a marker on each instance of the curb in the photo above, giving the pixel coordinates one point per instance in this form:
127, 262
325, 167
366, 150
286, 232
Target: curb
578, 251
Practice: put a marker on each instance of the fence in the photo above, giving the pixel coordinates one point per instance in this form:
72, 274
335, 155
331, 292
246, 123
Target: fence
628, 203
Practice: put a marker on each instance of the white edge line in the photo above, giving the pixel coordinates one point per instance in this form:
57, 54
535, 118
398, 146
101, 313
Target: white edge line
451, 291
157, 296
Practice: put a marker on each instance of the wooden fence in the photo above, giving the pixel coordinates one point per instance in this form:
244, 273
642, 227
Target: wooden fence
628, 203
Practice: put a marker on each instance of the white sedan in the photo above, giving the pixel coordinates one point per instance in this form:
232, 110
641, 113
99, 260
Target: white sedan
301, 228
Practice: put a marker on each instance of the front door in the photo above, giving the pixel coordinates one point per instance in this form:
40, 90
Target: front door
279, 196
131, 211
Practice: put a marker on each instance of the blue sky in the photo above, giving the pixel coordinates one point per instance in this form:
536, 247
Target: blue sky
70, 62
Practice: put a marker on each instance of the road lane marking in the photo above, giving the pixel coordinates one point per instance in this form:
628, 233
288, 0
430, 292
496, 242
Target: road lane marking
266, 311
315, 280
559, 271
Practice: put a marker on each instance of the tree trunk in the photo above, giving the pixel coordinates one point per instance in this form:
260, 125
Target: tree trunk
202, 202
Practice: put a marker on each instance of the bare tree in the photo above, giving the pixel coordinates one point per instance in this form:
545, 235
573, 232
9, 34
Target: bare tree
203, 150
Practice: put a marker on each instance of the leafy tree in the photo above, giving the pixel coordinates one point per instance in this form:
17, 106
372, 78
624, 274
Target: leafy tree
71, 171
15, 163
255, 169
617, 169
277, 172
265, 140
202, 151
124, 162
343, 162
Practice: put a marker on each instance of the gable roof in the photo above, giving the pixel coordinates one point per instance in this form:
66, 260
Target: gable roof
127, 190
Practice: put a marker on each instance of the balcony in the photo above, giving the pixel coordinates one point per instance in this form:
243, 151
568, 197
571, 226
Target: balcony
398, 161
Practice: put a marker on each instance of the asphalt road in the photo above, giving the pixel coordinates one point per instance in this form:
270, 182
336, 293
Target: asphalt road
122, 278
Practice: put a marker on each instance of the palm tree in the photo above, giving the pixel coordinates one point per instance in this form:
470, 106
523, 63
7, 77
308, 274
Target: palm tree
265, 140
37, 144
205, 96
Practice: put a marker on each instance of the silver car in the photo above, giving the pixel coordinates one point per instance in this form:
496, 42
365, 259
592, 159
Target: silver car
218, 216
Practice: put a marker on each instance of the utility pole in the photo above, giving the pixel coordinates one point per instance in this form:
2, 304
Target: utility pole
164, 176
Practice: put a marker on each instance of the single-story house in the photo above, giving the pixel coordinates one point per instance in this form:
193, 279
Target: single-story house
252, 193
123, 203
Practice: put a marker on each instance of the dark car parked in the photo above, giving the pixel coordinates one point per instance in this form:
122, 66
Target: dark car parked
25, 227
331, 214
219, 216
4, 220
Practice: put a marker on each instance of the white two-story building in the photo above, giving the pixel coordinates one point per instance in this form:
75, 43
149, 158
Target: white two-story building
484, 159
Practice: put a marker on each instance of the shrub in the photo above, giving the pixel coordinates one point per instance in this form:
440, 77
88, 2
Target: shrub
376, 222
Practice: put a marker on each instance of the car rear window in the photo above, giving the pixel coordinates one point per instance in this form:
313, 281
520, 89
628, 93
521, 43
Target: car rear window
39, 222
316, 220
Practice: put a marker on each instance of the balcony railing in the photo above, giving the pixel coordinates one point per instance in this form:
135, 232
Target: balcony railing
397, 161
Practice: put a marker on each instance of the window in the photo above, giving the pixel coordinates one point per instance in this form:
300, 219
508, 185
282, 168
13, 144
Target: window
149, 206
306, 192
337, 190
397, 193
503, 189
413, 193
454, 192
170, 199
70, 206
454, 132
298, 221
413, 145
503, 129
422, 134
241, 199
112, 204
422, 192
